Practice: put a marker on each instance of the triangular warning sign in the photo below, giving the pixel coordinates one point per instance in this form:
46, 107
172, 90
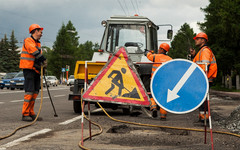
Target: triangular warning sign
118, 82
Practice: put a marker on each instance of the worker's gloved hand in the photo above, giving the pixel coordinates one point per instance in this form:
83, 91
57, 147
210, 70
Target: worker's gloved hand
45, 64
146, 51
192, 52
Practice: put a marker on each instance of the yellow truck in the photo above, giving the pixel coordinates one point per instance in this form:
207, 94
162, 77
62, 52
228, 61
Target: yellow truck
136, 34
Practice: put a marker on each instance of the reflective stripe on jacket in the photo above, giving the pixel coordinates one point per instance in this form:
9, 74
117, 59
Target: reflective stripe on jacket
205, 55
30, 53
160, 58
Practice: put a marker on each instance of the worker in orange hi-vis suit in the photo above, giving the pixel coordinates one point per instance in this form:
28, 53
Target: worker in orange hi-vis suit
204, 57
30, 61
161, 57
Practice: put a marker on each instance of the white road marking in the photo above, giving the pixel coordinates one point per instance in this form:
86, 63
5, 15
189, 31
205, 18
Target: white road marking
172, 94
59, 95
25, 138
71, 120
14, 101
43, 97
22, 91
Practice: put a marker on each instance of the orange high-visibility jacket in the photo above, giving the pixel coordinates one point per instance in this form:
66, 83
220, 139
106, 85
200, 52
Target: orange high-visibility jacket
161, 58
31, 53
205, 55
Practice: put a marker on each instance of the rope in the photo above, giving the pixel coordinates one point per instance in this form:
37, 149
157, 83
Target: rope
40, 108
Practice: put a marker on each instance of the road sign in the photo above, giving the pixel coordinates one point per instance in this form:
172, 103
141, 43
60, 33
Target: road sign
63, 70
118, 82
179, 86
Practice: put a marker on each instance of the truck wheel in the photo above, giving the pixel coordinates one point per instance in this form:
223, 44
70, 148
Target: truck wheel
126, 111
12, 88
77, 106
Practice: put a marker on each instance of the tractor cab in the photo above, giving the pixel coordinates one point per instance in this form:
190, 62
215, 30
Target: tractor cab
136, 33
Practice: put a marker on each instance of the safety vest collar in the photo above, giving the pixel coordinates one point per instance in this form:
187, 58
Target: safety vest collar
37, 41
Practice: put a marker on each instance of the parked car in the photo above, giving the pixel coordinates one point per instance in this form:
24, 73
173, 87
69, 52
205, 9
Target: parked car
2, 74
5, 82
70, 80
53, 80
44, 83
17, 82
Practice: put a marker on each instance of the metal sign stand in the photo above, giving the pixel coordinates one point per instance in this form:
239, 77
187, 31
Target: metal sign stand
210, 120
83, 104
207, 104
85, 88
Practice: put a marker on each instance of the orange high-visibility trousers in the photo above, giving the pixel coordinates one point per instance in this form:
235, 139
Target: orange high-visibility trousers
163, 113
32, 102
153, 105
26, 104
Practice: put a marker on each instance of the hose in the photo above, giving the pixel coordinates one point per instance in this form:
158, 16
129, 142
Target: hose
94, 123
40, 108
151, 125
167, 127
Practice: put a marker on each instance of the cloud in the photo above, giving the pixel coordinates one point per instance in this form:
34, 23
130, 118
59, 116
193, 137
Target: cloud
86, 15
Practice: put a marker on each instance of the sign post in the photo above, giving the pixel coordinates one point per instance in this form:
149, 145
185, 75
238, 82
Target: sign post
63, 70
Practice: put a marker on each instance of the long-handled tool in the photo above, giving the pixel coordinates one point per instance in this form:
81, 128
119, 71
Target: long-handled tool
55, 114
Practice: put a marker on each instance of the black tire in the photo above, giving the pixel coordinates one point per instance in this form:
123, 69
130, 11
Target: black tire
146, 79
12, 88
77, 107
126, 111
1, 87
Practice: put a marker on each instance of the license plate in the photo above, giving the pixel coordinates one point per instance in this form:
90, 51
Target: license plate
19, 83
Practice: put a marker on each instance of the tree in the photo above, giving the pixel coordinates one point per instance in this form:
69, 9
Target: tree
14, 54
222, 27
86, 50
182, 41
63, 49
4, 54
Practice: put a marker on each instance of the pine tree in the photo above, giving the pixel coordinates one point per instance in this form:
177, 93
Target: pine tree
64, 48
222, 27
1, 55
182, 42
14, 54
5, 54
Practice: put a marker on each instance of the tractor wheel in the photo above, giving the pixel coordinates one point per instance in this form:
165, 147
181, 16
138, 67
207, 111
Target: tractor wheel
77, 106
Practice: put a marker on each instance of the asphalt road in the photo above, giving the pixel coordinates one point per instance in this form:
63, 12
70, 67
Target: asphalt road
64, 132
10, 118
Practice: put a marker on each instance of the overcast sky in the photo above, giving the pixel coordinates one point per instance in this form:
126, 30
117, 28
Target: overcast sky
86, 15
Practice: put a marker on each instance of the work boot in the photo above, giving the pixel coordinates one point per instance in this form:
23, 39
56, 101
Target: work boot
33, 117
154, 113
26, 118
163, 119
202, 118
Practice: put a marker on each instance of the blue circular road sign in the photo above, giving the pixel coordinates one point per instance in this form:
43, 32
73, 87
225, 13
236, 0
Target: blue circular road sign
179, 86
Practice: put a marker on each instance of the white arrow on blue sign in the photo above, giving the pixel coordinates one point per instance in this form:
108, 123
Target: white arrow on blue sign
179, 86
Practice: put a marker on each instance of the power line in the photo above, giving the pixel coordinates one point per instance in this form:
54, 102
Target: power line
121, 7
134, 7
137, 7
126, 6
